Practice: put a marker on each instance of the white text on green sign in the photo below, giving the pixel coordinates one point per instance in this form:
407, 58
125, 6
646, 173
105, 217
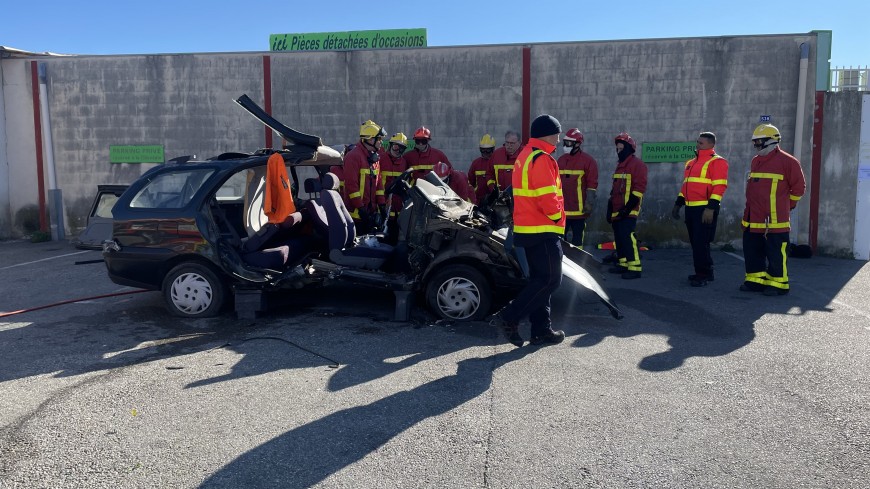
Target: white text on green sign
343, 41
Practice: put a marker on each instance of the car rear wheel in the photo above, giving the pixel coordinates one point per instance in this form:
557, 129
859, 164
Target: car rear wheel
459, 292
193, 290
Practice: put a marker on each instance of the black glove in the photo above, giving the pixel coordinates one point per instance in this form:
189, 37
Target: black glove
680, 202
364, 215
633, 201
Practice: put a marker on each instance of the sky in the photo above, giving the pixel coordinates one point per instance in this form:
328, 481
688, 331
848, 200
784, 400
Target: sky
195, 26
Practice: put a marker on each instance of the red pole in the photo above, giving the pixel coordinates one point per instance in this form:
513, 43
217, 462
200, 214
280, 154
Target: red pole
527, 92
816, 175
267, 94
37, 129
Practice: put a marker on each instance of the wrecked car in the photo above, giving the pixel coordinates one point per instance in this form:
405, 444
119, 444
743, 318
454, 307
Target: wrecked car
197, 232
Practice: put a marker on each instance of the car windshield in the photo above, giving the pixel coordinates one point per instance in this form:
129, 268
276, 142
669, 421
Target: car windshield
442, 196
172, 189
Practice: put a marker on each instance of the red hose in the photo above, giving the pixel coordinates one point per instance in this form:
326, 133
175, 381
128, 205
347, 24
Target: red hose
12, 313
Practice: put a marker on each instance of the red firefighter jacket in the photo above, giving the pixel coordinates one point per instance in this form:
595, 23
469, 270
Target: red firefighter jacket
422, 162
503, 165
278, 197
338, 171
629, 178
776, 184
579, 173
362, 181
459, 184
705, 178
537, 191
390, 169
481, 177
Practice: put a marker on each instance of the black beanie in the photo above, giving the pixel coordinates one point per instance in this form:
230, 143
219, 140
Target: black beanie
545, 125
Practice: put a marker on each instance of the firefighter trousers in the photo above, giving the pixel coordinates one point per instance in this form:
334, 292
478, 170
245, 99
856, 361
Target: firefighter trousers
626, 243
577, 227
765, 257
700, 237
545, 276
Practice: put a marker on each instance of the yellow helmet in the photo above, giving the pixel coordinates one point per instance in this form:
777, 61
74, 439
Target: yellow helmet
765, 131
369, 129
399, 138
487, 141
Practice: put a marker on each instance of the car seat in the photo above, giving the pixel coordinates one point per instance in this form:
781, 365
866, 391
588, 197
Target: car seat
343, 249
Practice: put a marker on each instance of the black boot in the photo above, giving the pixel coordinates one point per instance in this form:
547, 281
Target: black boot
510, 330
551, 337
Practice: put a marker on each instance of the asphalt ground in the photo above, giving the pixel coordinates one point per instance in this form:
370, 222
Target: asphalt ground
695, 387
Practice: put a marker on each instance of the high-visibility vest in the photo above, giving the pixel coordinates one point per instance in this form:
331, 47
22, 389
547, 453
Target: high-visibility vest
537, 194
706, 181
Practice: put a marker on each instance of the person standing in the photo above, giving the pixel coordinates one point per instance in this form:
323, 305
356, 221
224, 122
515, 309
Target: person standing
423, 157
775, 185
481, 175
705, 179
629, 184
392, 165
362, 178
503, 159
579, 173
539, 223
456, 180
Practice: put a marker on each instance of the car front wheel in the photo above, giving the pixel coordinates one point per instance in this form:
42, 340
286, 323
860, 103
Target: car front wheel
193, 290
459, 292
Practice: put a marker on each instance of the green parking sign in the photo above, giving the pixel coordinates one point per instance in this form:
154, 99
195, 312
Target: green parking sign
136, 154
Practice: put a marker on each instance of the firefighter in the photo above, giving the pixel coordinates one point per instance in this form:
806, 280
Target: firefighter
539, 223
775, 185
579, 173
423, 157
362, 178
503, 159
481, 175
623, 207
392, 165
705, 179
457, 181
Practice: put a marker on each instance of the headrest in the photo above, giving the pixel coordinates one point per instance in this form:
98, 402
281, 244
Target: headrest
312, 185
330, 181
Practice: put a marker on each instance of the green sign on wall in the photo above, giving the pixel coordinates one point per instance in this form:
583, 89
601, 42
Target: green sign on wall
343, 41
675, 152
136, 154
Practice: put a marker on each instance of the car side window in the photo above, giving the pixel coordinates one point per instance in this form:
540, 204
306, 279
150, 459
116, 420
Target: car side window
171, 190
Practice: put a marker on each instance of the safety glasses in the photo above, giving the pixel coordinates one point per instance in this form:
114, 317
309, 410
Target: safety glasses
421, 142
486, 151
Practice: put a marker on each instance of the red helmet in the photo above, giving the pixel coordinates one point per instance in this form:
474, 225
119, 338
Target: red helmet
422, 133
441, 169
624, 138
574, 134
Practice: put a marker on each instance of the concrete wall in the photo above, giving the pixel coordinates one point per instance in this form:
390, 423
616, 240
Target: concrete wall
20, 144
839, 177
658, 90
5, 210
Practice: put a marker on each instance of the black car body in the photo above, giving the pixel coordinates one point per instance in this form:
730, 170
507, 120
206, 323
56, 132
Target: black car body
183, 228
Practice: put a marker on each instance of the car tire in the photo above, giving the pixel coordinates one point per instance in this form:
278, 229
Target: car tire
193, 290
459, 292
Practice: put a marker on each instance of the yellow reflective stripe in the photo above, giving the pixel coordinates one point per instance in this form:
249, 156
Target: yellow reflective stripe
354, 195
490, 182
550, 189
422, 167
572, 172
761, 225
794, 197
379, 192
697, 180
390, 173
637, 194
574, 213
773, 186
703, 178
525, 176
720, 182
548, 228
503, 167
579, 174
716, 197
555, 217
696, 203
627, 178
772, 176
480, 172
755, 280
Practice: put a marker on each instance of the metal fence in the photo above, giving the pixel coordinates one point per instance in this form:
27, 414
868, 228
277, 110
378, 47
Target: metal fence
850, 79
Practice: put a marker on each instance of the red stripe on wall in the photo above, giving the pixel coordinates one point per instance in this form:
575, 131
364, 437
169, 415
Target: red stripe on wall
267, 94
37, 129
527, 91
816, 175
